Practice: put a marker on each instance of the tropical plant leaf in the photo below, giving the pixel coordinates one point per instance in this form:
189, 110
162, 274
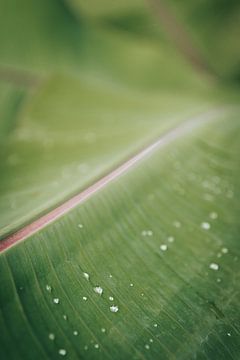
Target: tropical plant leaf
119, 180
162, 241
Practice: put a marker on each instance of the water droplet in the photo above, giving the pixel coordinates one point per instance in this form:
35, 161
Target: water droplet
51, 336
84, 298
110, 276
86, 347
111, 298
96, 346
75, 333
163, 247
103, 330
224, 250
151, 340
214, 266
171, 239
213, 215
177, 224
229, 334
205, 226
155, 325
219, 280
48, 288
62, 352
80, 226
56, 300
65, 317
86, 275
131, 284
114, 308
98, 290
147, 347
147, 233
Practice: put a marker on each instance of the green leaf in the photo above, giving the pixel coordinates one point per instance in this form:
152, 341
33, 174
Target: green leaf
161, 240
119, 183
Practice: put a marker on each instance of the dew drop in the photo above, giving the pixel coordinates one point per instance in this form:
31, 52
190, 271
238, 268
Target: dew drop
111, 298
84, 298
75, 332
114, 308
228, 334
155, 325
214, 266
147, 347
163, 247
51, 336
65, 317
103, 330
131, 284
80, 226
219, 280
96, 346
48, 288
151, 340
177, 224
56, 300
213, 215
110, 276
86, 275
86, 347
147, 233
62, 352
205, 226
98, 290
171, 239
224, 250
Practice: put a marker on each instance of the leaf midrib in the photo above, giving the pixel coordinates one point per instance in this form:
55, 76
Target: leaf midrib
162, 141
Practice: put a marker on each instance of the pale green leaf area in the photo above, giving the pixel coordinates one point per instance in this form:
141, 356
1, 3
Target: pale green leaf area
70, 133
162, 240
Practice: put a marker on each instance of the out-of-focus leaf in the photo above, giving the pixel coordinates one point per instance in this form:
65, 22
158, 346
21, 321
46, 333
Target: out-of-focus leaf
70, 133
213, 26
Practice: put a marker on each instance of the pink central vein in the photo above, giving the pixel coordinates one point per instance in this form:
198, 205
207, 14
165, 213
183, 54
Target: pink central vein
59, 211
